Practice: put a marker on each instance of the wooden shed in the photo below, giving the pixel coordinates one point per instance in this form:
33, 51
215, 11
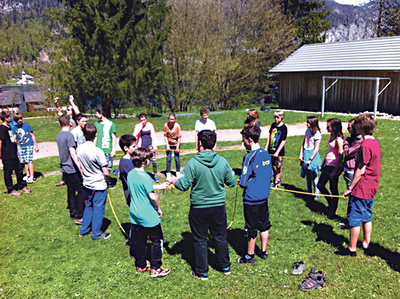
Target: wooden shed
301, 76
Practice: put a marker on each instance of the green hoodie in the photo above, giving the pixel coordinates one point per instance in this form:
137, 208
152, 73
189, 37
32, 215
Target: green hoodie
207, 173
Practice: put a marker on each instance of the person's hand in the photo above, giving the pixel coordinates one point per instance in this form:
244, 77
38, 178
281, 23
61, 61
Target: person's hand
167, 148
173, 180
301, 158
155, 148
36, 148
276, 155
112, 154
308, 162
159, 212
71, 98
164, 185
177, 150
56, 100
347, 193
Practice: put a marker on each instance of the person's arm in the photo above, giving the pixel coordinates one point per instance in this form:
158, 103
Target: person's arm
339, 144
114, 144
166, 138
72, 152
106, 173
316, 150
357, 176
280, 148
35, 145
56, 107
71, 100
301, 156
154, 197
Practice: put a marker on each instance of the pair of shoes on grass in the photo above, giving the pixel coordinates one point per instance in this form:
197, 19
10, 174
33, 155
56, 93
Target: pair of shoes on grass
102, 236
345, 252
160, 272
315, 280
249, 259
201, 277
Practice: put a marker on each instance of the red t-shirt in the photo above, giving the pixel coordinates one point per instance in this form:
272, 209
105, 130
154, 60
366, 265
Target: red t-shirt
370, 155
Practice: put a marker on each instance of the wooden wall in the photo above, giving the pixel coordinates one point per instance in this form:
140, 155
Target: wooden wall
303, 91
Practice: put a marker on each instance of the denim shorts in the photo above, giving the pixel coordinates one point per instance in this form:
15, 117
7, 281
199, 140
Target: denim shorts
359, 211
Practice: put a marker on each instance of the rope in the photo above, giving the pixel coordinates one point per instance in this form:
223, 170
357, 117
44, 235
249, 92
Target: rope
234, 210
115, 215
306, 193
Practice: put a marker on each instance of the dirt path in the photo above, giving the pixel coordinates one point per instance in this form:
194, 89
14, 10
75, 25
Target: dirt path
49, 149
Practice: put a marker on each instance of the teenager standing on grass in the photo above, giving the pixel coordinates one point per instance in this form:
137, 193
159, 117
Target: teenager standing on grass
332, 165
309, 155
145, 213
9, 157
172, 138
276, 146
23, 132
71, 170
81, 119
95, 179
251, 120
204, 124
146, 138
364, 186
206, 174
257, 169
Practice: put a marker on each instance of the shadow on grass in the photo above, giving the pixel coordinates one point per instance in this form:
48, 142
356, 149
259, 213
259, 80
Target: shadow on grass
326, 234
316, 206
185, 248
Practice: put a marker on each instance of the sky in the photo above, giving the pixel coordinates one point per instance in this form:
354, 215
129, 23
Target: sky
352, 2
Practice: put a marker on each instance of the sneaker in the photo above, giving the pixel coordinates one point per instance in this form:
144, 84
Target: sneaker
142, 270
343, 226
345, 252
168, 176
156, 179
31, 180
202, 277
160, 272
62, 183
26, 190
14, 193
25, 177
298, 268
246, 259
263, 255
111, 186
78, 221
105, 236
277, 183
313, 281
178, 175
226, 270
316, 197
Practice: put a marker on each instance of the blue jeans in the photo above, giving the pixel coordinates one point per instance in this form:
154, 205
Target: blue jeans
312, 179
177, 160
348, 176
94, 212
110, 162
202, 220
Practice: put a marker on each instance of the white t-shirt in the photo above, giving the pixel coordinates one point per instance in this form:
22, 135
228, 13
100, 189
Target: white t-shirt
78, 136
92, 160
208, 125
309, 142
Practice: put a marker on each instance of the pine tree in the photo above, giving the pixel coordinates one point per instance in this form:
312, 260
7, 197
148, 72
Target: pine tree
114, 48
309, 18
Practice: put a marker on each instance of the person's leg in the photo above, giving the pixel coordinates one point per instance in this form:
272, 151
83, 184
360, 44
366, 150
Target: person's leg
220, 235
154, 161
156, 237
99, 206
314, 178
8, 169
88, 214
278, 172
198, 221
169, 158
309, 181
139, 245
31, 169
19, 172
367, 228
79, 200
333, 186
264, 240
177, 161
321, 185
68, 179
354, 233
264, 226
27, 170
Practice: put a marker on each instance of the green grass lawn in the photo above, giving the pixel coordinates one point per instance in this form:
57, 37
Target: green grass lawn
42, 255
46, 128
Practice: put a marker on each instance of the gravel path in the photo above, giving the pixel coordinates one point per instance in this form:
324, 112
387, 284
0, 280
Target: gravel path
49, 149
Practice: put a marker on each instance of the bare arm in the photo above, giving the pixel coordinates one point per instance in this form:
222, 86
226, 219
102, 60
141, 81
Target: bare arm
71, 100
114, 144
280, 148
154, 197
357, 176
301, 156
106, 173
35, 145
316, 150
72, 152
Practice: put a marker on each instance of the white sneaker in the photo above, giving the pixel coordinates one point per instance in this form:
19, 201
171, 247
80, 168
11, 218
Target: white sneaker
178, 175
31, 180
168, 176
25, 177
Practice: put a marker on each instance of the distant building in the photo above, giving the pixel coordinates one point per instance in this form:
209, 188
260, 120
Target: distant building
26, 98
301, 76
25, 79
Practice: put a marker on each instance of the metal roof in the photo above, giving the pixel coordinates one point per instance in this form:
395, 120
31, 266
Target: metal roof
34, 97
378, 54
9, 98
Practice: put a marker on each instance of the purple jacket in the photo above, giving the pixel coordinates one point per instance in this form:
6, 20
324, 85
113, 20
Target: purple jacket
351, 151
